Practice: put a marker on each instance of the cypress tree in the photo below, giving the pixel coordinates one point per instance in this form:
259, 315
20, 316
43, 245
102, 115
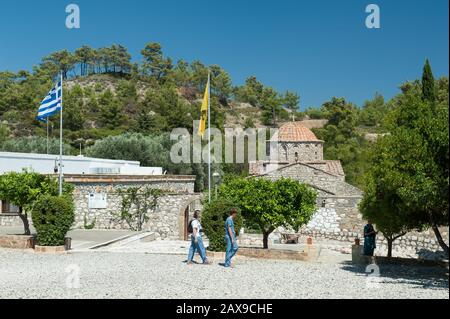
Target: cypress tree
428, 90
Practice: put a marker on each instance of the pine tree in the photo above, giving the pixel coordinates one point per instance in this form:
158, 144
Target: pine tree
428, 89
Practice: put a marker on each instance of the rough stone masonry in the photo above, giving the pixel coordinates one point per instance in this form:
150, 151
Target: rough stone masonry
300, 157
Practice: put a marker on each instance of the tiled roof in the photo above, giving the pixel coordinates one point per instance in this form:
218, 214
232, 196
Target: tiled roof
296, 132
335, 168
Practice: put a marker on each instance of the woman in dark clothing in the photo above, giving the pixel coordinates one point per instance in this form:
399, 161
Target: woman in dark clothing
369, 239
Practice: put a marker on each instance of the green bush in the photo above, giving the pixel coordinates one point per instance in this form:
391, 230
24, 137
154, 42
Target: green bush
52, 217
213, 221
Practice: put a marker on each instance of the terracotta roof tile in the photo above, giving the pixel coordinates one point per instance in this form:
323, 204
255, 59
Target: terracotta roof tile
335, 167
296, 132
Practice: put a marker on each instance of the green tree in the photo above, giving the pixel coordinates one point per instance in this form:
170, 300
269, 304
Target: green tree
414, 160
23, 189
85, 56
4, 132
63, 61
118, 59
428, 83
380, 203
442, 90
127, 95
220, 84
74, 108
271, 105
343, 141
251, 92
373, 111
271, 204
213, 217
150, 151
291, 101
182, 74
165, 108
111, 115
199, 75
155, 64
34, 144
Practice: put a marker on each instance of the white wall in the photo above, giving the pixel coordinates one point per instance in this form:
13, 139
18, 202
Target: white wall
45, 164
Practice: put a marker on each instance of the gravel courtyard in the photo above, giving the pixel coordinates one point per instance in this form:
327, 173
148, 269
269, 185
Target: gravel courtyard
136, 275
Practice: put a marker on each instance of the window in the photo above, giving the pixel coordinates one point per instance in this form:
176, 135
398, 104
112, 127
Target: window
8, 208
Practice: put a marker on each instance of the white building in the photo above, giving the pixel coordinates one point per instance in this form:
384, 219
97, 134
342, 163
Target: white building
72, 165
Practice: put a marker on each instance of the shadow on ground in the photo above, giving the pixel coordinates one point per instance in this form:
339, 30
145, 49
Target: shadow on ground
422, 277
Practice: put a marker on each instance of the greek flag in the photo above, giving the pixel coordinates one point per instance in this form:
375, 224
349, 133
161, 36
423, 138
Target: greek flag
51, 103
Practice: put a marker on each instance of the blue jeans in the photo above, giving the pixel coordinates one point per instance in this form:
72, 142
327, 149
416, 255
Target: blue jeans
231, 250
197, 247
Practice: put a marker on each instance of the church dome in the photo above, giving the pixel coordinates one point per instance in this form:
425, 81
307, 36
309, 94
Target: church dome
296, 132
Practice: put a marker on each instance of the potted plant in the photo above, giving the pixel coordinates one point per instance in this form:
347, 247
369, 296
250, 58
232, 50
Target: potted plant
52, 217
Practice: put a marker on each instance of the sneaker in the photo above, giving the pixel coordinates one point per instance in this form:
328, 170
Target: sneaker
190, 263
207, 262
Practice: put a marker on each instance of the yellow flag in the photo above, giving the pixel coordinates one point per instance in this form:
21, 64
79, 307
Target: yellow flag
204, 111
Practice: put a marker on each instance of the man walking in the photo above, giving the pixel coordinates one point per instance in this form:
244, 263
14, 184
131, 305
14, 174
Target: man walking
230, 237
197, 241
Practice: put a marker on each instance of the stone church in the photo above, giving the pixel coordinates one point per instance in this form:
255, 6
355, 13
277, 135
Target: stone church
298, 154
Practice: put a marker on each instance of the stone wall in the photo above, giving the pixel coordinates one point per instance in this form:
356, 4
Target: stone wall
293, 152
305, 173
340, 220
10, 220
418, 245
167, 220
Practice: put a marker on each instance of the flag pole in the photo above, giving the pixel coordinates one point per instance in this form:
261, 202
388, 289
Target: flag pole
47, 138
209, 136
61, 141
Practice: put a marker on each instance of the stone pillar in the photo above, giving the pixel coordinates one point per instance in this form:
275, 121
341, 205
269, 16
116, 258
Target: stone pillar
357, 254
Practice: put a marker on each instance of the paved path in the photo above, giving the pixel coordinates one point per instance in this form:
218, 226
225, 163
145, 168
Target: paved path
81, 239
140, 275
176, 247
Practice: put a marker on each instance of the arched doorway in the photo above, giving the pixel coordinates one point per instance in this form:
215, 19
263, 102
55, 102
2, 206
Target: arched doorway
186, 223
186, 215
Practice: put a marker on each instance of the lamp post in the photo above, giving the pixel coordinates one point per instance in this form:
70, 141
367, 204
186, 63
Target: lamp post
216, 177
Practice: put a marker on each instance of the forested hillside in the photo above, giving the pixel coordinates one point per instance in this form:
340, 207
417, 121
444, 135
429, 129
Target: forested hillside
115, 108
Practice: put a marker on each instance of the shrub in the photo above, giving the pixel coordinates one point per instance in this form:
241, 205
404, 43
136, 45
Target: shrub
52, 217
24, 189
34, 144
271, 204
213, 221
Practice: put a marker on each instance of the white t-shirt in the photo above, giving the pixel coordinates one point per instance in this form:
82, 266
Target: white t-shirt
196, 224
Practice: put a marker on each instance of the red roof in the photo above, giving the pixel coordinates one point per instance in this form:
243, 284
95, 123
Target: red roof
296, 132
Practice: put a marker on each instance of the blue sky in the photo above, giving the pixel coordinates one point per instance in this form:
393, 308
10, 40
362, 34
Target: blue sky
319, 48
